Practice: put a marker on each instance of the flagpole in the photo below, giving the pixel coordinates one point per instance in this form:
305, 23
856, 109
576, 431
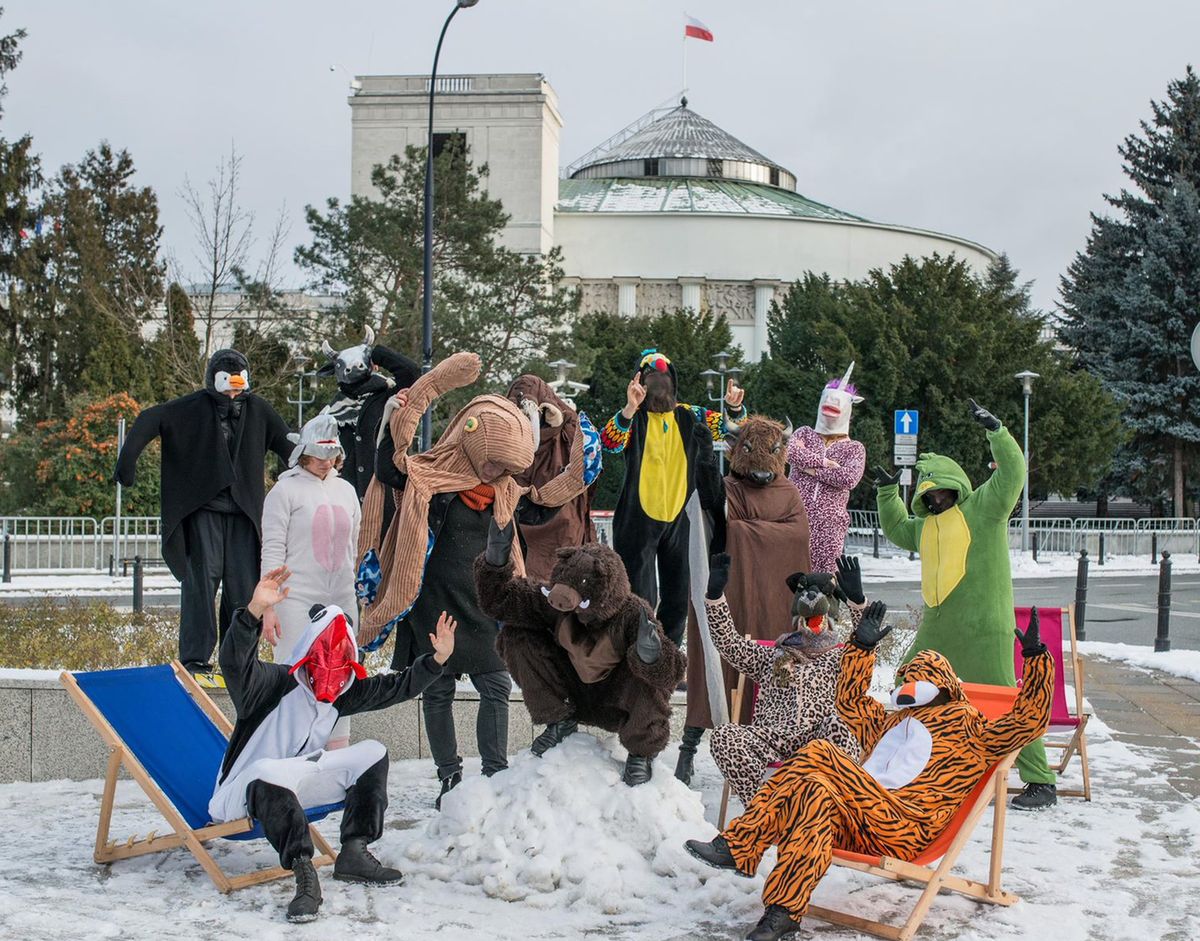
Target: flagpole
685, 39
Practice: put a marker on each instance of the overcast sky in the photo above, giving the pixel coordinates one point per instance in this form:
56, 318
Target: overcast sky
997, 121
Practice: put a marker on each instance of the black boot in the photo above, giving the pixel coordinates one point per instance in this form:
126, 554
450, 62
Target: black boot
684, 767
637, 770
307, 901
554, 733
1036, 797
716, 854
448, 785
355, 863
777, 922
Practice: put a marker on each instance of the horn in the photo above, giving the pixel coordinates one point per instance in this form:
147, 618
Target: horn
788, 430
530, 408
328, 350
368, 336
846, 378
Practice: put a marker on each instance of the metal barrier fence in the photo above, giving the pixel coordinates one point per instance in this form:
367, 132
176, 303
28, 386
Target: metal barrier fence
84, 544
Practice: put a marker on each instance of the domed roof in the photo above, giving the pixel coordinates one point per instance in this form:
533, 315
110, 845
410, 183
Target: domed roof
681, 143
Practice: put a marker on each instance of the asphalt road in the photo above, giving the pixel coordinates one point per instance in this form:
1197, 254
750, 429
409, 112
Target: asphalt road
1120, 609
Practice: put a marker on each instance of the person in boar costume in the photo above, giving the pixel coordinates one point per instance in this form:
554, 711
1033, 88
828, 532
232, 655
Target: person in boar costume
766, 535
583, 648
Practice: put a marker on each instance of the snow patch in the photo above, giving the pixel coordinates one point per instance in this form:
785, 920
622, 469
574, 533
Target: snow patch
1183, 663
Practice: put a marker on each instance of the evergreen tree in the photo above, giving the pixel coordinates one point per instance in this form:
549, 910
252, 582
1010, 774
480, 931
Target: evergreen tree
176, 348
1131, 300
508, 307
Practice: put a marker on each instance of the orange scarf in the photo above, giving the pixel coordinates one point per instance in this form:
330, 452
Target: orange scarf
478, 498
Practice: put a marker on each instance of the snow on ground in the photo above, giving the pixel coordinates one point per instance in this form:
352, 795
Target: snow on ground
1184, 663
581, 855
66, 584
900, 569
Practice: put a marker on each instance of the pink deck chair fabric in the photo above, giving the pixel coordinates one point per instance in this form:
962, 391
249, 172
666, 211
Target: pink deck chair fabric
1050, 622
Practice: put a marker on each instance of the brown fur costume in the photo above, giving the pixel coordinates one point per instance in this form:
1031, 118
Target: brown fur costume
767, 538
625, 695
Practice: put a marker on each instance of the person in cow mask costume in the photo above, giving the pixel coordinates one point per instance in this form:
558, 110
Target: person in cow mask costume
362, 393
277, 763
214, 443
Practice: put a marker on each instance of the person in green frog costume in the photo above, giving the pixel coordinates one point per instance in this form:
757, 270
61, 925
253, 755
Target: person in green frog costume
966, 579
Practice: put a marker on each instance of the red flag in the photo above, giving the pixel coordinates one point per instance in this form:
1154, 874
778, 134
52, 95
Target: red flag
697, 30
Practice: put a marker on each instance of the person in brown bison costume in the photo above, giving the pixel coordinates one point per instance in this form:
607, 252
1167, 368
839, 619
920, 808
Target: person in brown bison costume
767, 538
583, 649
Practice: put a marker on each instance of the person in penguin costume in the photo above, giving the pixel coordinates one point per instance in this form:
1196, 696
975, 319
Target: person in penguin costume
214, 443
825, 464
277, 763
924, 758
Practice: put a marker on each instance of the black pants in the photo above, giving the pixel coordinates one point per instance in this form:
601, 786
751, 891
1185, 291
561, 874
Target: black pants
286, 828
222, 550
491, 723
656, 559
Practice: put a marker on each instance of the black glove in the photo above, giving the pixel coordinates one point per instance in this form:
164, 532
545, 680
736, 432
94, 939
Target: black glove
984, 417
1031, 640
870, 630
883, 479
649, 643
849, 580
718, 575
499, 543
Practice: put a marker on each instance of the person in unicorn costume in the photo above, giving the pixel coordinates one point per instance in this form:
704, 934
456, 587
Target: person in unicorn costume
825, 464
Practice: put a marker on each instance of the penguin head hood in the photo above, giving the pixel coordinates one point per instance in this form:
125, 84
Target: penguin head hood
935, 472
228, 371
327, 656
923, 678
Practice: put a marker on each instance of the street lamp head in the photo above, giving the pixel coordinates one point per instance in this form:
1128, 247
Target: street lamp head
722, 359
467, 3
1027, 378
561, 367
709, 375
734, 371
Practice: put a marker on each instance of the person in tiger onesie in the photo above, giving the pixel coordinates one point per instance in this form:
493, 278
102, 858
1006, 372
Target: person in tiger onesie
924, 759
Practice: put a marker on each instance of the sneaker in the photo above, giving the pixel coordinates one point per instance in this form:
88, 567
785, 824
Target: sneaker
206, 675
716, 854
1035, 797
777, 922
448, 785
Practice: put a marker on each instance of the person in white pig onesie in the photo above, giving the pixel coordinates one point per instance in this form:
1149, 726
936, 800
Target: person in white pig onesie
825, 465
310, 524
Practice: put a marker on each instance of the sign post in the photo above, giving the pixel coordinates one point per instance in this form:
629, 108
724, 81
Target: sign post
906, 425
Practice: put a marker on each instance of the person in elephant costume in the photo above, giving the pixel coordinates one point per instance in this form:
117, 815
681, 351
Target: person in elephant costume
961, 533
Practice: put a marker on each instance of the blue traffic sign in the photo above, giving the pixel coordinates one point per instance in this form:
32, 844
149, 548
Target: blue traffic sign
907, 421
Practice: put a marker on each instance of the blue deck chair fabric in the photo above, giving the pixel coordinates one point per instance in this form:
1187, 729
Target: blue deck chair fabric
172, 737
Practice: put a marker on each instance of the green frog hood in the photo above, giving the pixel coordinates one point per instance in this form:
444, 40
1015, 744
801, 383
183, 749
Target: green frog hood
937, 472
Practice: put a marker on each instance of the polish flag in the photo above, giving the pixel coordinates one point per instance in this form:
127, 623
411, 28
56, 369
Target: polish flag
697, 30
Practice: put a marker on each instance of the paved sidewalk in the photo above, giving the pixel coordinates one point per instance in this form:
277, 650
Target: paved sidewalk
1152, 710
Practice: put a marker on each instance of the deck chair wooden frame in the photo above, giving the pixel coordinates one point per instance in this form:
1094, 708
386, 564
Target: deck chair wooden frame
1076, 742
109, 851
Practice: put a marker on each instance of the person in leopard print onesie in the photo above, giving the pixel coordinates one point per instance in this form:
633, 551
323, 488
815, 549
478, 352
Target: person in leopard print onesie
796, 679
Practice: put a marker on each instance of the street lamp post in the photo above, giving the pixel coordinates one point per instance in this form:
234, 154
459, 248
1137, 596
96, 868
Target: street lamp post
1026, 378
301, 400
427, 275
723, 371
566, 389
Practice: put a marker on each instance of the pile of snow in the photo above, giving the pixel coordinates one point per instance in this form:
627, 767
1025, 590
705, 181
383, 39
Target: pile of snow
1183, 663
564, 830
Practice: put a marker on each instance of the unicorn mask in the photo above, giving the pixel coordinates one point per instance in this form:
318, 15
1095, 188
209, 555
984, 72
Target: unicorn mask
837, 402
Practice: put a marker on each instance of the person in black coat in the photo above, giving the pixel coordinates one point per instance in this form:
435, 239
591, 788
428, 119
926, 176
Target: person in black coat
214, 443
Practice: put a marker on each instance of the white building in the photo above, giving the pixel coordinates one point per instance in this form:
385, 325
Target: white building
671, 212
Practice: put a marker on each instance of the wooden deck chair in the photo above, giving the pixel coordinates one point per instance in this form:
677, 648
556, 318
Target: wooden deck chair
933, 865
172, 744
1058, 625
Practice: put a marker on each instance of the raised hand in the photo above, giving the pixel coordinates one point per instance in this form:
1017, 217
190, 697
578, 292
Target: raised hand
270, 630
443, 640
499, 543
635, 395
983, 416
870, 630
883, 479
849, 579
1031, 640
269, 591
649, 644
718, 575
734, 395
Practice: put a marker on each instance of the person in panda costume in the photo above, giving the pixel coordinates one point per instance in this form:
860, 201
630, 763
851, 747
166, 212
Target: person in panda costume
277, 763
214, 443
310, 524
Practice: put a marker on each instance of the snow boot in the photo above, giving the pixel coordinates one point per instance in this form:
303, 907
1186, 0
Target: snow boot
716, 854
355, 863
448, 785
777, 922
305, 905
1036, 796
554, 733
685, 767
637, 770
